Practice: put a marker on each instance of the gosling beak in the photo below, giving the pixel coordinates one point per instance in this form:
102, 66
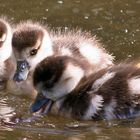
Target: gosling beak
21, 71
41, 105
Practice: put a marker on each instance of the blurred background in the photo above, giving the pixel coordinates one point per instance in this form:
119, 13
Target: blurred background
115, 22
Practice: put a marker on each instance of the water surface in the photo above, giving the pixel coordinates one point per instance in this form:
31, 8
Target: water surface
116, 23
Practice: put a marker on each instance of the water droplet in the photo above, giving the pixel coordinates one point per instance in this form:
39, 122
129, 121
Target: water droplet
60, 2
45, 18
66, 28
121, 11
12, 18
129, 56
126, 30
86, 17
132, 42
51, 125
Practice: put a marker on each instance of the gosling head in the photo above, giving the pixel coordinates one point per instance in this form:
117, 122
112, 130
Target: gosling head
54, 78
31, 44
5, 40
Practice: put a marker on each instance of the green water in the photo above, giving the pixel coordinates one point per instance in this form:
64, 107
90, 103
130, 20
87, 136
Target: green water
116, 23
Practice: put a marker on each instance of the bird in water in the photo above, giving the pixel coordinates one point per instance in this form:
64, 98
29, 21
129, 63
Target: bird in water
33, 42
64, 89
7, 62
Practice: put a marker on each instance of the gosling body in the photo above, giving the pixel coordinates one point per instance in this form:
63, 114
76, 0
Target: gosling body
33, 42
7, 62
64, 89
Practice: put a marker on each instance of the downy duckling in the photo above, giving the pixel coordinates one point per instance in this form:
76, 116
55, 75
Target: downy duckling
7, 65
32, 42
63, 89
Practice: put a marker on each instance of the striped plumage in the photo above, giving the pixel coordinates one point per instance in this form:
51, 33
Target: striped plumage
32, 42
64, 89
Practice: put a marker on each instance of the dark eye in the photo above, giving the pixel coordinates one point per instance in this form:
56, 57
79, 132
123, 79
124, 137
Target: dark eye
33, 52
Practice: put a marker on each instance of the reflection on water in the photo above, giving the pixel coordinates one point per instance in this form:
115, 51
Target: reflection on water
116, 23
52, 127
5, 111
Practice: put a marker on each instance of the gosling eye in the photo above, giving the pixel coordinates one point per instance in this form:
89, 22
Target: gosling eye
33, 52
